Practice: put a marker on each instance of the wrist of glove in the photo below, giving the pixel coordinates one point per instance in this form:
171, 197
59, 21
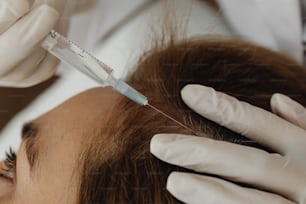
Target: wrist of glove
272, 178
23, 27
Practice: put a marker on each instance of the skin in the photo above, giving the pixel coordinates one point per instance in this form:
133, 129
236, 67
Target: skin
65, 131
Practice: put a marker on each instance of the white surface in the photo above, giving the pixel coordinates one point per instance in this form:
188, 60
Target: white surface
120, 51
275, 24
123, 48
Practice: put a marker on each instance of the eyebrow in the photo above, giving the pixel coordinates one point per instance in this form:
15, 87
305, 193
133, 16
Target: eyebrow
30, 135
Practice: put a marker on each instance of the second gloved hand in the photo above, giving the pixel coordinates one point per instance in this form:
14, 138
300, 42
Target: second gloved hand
270, 178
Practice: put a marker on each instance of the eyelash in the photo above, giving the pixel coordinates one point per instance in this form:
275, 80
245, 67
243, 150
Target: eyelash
9, 164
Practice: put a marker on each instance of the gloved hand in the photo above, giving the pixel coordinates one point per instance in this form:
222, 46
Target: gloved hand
271, 178
23, 27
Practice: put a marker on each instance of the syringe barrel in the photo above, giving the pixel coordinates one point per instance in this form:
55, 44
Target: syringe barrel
70, 53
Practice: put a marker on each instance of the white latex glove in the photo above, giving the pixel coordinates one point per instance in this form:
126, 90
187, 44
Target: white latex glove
275, 178
23, 27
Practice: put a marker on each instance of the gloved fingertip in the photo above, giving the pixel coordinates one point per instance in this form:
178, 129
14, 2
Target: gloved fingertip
282, 104
179, 184
158, 144
199, 98
174, 182
289, 109
274, 103
163, 145
189, 91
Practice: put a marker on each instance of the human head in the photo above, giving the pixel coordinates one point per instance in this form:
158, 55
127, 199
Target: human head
96, 145
247, 72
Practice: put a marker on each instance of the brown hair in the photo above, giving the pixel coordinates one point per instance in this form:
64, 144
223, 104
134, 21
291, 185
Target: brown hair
245, 71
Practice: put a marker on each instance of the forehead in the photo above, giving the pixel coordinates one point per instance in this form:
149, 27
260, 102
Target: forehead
84, 106
81, 115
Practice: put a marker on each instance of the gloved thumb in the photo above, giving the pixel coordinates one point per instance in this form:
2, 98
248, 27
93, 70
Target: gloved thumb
289, 109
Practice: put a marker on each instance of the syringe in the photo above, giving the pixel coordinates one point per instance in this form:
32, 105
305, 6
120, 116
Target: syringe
68, 52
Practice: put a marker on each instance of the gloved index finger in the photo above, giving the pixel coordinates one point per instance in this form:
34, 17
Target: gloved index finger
11, 11
243, 118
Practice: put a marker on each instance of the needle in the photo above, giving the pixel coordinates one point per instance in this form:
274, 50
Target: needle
169, 117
